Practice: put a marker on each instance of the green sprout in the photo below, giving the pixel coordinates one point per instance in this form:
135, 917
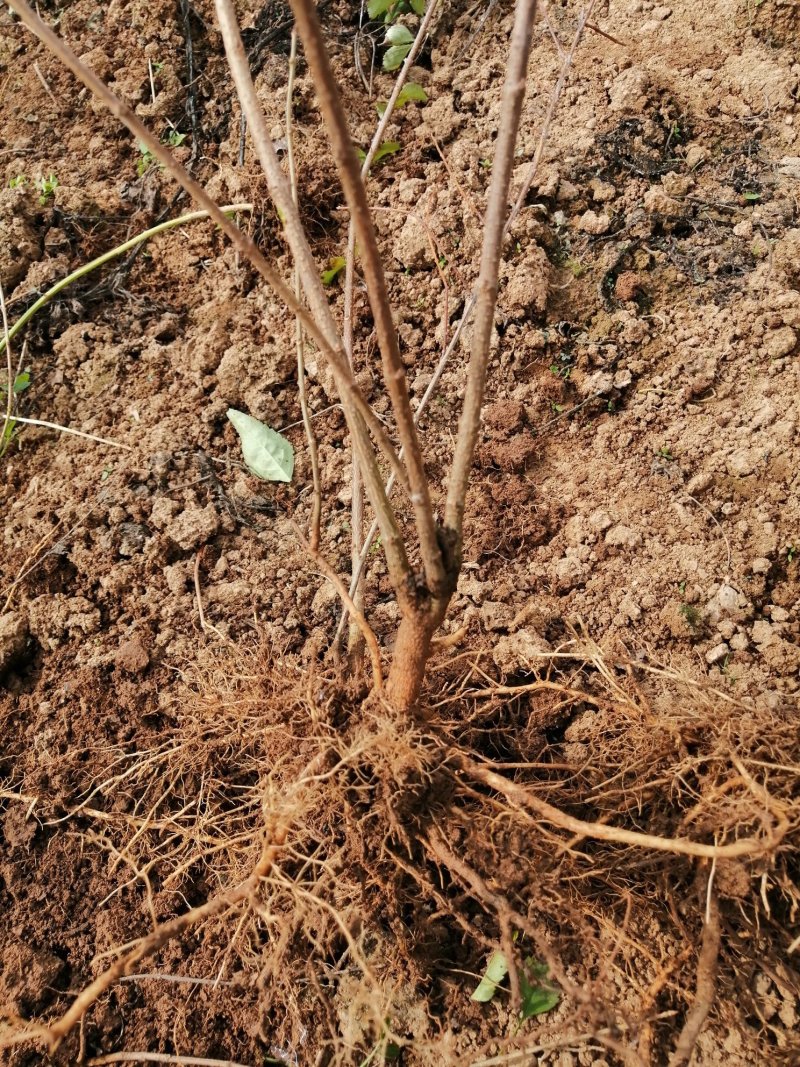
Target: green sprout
47, 187
19, 182
337, 265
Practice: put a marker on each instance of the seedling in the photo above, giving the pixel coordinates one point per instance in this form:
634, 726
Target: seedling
47, 187
665, 453
19, 182
691, 615
174, 139
791, 552
146, 160
388, 148
539, 995
10, 428
337, 265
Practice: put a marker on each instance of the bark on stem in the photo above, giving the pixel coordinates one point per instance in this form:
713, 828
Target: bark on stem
436, 569
281, 193
502, 165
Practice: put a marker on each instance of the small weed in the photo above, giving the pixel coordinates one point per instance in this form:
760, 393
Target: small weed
146, 160
10, 428
575, 267
337, 265
388, 148
19, 182
485, 164
375, 547
791, 552
174, 139
751, 197
389, 10
562, 366
692, 616
665, 452
539, 995
47, 187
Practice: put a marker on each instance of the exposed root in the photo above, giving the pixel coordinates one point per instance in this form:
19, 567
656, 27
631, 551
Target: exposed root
521, 798
274, 839
392, 872
706, 978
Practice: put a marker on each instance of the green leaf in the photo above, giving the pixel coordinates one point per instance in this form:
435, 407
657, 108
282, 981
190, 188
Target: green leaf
538, 996
337, 266
399, 34
377, 8
417, 6
751, 198
388, 148
21, 382
393, 57
496, 970
412, 91
266, 454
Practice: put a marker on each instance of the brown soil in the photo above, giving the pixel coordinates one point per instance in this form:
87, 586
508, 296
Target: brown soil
634, 538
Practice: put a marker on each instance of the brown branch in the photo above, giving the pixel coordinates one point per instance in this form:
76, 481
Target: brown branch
160, 1057
281, 193
300, 343
502, 164
521, 797
438, 576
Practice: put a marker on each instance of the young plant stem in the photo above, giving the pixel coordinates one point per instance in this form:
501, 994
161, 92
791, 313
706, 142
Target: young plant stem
321, 314
413, 643
350, 394
357, 507
439, 574
300, 344
494, 228
366, 630
471, 299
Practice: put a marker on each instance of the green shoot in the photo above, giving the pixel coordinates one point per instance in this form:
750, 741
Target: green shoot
539, 995
47, 187
388, 10
337, 265
18, 183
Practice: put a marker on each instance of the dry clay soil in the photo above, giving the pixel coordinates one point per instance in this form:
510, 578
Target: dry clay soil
636, 480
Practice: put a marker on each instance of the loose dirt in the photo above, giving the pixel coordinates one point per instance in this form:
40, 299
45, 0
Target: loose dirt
633, 537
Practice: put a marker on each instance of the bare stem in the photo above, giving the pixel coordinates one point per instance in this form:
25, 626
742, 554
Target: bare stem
321, 314
300, 344
494, 226
357, 507
439, 576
